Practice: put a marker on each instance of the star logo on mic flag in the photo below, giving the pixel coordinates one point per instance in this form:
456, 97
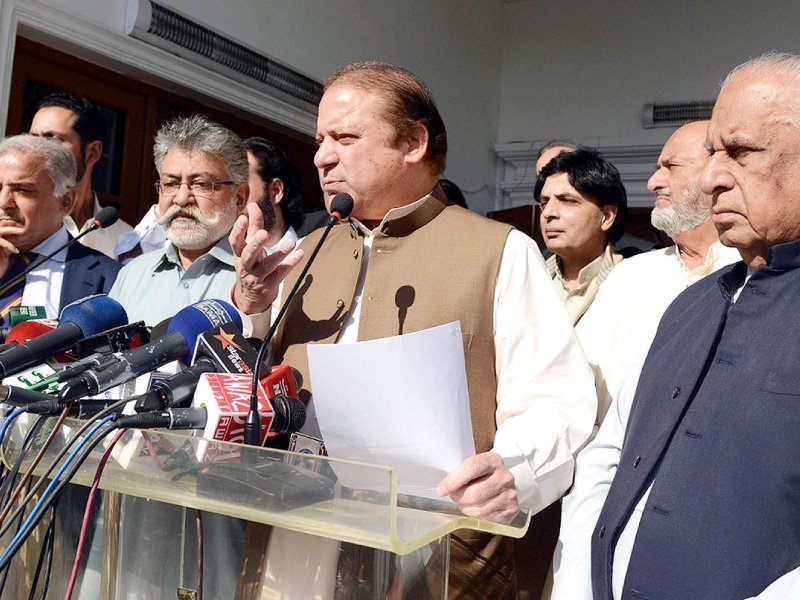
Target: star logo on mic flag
226, 339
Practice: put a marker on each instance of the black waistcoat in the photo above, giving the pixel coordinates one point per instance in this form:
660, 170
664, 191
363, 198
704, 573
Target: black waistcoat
716, 425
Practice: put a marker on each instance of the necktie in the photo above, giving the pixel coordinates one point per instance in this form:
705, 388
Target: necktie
17, 263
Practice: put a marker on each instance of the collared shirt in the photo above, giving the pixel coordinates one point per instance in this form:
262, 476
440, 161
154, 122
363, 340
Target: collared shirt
154, 286
290, 234
578, 299
545, 396
148, 234
103, 240
43, 284
616, 333
621, 322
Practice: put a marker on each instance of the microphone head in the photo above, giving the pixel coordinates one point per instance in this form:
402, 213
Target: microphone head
341, 205
94, 314
201, 316
106, 217
290, 414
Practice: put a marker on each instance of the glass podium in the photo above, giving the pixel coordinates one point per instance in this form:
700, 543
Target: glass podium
188, 518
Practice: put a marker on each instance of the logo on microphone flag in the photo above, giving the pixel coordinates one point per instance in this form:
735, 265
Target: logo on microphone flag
226, 396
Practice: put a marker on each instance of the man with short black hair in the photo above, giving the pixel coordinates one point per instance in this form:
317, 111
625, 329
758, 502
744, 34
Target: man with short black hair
583, 206
77, 122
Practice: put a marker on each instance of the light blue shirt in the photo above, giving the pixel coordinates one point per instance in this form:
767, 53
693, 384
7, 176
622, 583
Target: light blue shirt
154, 286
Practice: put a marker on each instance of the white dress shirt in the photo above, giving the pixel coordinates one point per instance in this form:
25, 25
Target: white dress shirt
103, 240
147, 233
620, 324
43, 284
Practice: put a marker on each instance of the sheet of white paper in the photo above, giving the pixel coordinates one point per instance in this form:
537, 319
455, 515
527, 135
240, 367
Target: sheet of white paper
400, 401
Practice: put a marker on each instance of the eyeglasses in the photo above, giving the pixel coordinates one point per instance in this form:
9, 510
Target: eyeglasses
199, 188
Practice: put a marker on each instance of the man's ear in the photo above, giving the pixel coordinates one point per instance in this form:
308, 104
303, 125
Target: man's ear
609, 215
68, 201
275, 191
416, 143
93, 152
242, 193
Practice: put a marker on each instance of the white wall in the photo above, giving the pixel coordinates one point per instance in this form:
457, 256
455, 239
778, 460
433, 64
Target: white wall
584, 68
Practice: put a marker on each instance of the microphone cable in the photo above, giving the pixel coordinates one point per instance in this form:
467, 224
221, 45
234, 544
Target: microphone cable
11, 476
8, 502
46, 553
68, 469
69, 443
8, 420
87, 514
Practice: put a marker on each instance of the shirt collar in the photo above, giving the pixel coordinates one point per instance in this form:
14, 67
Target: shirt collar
59, 238
784, 257
72, 227
290, 234
393, 215
588, 272
221, 251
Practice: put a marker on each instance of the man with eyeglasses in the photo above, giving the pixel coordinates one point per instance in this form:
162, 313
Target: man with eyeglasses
202, 187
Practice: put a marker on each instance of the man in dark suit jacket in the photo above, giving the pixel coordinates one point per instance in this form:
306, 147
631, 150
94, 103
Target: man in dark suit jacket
37, 176
706, 496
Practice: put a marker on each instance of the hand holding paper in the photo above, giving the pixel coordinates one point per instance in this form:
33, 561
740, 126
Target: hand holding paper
482, 487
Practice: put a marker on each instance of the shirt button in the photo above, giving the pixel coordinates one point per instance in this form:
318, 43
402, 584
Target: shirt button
355, 253
340, 303
601, 534
186, 286
636, 461
676, 392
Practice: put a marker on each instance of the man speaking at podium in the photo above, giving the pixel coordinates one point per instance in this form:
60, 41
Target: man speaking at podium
380, 138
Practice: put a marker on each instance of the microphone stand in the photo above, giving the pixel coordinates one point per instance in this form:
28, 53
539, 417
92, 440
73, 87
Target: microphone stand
340, 210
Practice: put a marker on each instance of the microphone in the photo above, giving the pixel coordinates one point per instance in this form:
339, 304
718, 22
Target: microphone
177, 344
81, 319
341, 207
221, 350
171, 418
226, 396
104, 218
26, 330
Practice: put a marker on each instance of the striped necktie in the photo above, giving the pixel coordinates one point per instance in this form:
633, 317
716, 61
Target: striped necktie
17, 263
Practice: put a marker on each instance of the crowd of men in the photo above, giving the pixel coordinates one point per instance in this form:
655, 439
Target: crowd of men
670, 375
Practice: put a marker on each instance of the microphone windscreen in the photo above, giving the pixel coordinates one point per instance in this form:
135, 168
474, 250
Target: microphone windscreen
342, 205
94, 314
201, 316
106, 217
27, 330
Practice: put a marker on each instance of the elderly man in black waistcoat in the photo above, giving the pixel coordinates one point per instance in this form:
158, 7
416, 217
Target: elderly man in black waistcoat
705, 503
